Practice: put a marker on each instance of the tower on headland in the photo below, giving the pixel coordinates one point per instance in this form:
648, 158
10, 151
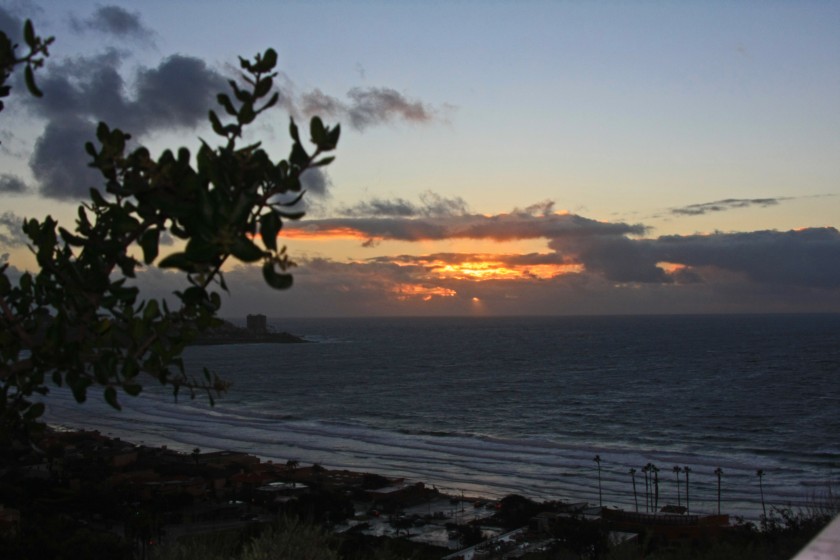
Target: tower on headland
256, 323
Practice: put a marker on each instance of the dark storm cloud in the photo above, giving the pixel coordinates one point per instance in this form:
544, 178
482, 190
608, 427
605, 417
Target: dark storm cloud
724, 205
177, 93
804, 258
11, 184
367, 107
808, 257
115, 21
616, 258
83, 91
58, 160
431, 205
11, 234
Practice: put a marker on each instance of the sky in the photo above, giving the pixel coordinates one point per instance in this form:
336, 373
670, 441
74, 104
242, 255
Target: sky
496, 158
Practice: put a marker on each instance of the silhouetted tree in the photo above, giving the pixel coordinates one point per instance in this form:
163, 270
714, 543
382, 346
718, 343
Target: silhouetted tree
79, 322
686, 470
646, 471
718, 473
597, 460
655, 471
677, 470
760, 474
635, 495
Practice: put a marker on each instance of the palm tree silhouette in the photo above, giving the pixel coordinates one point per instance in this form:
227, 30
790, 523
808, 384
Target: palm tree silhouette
597, 460
655, 470
718, 473
686, 470
646, 471
760, 474
635, 496
677, 470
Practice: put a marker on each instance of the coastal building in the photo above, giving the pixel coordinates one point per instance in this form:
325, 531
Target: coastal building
256, 323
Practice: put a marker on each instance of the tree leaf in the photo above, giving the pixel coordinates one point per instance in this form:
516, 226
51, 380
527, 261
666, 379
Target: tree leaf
34, 411
246, 250
293, 131
317, 131
29, 75
270, 225
177, 260
111, 397
225, 102
132, 389
278, 281
263, 87
29, 34
149, 242
151, 311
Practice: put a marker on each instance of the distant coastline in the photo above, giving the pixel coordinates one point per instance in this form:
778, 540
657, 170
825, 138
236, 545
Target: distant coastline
228, 333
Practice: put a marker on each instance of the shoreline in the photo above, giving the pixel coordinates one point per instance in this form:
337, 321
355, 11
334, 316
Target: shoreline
585, 493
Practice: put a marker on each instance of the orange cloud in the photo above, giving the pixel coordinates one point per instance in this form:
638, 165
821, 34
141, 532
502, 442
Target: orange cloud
324, 234
405, 292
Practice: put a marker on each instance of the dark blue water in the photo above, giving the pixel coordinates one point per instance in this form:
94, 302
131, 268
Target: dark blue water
500, 405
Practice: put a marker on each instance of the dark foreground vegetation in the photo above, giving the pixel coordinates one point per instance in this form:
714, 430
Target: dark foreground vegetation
81, 495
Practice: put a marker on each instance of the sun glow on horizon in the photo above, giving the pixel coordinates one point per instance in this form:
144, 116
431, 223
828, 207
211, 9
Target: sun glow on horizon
405, 292
498, 270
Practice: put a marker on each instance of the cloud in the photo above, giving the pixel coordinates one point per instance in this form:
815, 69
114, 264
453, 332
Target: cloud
11, 233
59, 159
11, 184
431, 205
10, 25
83, 91
315, 181
531, 223
807, 257
115, 21
616, 258
368, 107
724, 205
589, 272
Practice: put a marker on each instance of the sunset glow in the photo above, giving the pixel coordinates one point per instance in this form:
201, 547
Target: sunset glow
405, 292
322, 235
496, 270
670, 267
462, 172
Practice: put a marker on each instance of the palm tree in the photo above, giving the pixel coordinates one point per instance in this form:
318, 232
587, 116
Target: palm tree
677, 470
686, 470
655, 470
718, 473
646, 469
635, 496
597, 460
760, 474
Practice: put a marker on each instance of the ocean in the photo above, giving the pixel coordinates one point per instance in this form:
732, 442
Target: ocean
494, 406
